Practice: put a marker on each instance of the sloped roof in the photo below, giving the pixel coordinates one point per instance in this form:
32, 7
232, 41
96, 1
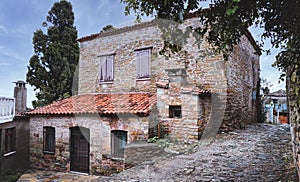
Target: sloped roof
278, 93
115, 103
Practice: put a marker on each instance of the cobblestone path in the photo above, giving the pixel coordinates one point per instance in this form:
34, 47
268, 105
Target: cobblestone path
257, 153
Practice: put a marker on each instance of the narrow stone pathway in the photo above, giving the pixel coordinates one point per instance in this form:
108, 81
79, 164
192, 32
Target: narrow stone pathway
258, 153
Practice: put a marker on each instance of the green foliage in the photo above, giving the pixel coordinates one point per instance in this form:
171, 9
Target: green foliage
153, 139
107, 28
227, 20
52, 67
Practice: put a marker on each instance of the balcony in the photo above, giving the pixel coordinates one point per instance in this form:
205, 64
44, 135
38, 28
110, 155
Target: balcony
7, 109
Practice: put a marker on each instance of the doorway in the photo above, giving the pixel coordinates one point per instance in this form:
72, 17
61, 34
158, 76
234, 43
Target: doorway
79, 149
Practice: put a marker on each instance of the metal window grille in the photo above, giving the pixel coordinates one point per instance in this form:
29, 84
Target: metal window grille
49, 139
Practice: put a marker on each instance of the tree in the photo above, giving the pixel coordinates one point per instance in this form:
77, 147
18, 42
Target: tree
227, 20
52, 67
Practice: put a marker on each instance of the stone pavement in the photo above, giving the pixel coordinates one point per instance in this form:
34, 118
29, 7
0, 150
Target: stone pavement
257, 153
47, 176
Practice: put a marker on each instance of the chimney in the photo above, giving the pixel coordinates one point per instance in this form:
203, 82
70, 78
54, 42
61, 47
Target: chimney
20, 94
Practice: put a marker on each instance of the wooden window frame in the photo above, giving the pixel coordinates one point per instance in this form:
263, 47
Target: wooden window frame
174, 110
118, 143
10, 140
106, 68
143, 63
49, 139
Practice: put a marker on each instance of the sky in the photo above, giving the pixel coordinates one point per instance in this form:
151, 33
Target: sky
19, 19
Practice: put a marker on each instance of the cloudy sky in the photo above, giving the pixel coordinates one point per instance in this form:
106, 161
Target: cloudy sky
20, 18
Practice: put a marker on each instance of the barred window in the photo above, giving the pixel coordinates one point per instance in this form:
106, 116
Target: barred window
10, 140
49, 139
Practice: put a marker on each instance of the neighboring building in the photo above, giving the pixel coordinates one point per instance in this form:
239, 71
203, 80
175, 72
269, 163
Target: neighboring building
14, 132
129, 92
275, 105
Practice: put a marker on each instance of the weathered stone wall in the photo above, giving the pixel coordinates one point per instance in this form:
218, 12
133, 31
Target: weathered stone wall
293, 93
200, 70
234, 80
109, 166
242, 71
21, 155
141, 151
123, 45
100, 138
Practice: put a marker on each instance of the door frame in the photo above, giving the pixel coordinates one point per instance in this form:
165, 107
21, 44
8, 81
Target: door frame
78, 156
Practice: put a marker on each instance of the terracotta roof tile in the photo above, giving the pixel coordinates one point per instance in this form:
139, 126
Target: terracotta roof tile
133, 103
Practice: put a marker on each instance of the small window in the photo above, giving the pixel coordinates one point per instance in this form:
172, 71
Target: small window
174, 111
10, 140
118, 142
143, 67
49, 139
106, 68
0, 140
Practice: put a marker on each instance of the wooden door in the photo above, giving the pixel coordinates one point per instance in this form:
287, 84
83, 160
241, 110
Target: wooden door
79, 149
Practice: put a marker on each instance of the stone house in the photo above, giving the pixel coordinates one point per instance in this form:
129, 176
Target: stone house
275, 105
14, 132
128, 91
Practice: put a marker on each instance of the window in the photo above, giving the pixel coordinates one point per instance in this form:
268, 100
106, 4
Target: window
118, 142
49, 139
0, 140
106, 72
174, 111
10, 140
143, 66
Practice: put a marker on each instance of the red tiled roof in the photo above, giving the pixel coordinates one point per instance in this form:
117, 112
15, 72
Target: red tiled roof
132, 103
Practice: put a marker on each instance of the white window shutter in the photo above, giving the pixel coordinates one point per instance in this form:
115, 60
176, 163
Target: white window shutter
99, 69
110, 67
138, 71
102, 65
143, 63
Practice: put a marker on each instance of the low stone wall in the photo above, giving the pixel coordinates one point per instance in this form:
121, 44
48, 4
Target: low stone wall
109, 166
141, 151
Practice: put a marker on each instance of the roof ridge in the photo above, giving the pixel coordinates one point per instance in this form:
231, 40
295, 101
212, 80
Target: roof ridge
116, 30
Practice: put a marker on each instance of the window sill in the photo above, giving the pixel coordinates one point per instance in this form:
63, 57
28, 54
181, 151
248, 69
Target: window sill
106, 82
113, 158
51, 153
143, 79
9, 153
117, 159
